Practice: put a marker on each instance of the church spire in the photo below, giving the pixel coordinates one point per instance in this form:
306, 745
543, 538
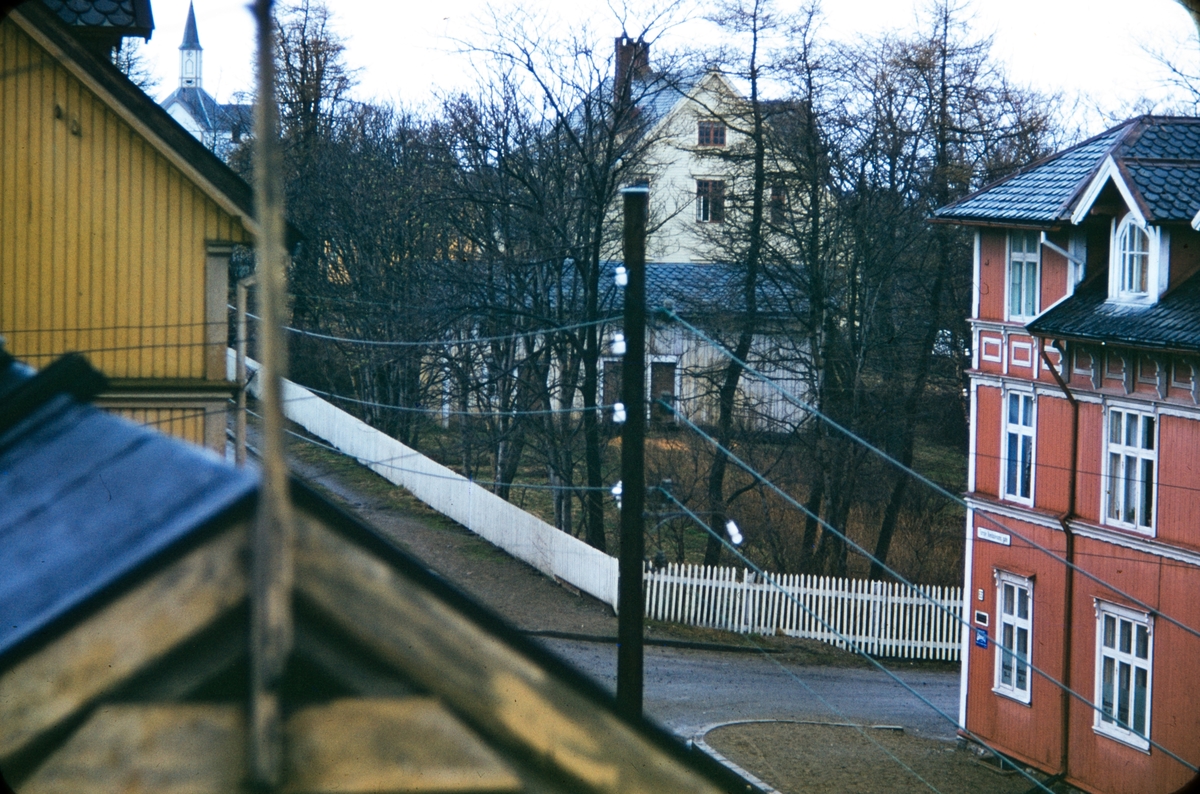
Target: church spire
190, 53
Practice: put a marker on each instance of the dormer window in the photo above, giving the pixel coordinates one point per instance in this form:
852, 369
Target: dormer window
1138, 261
1133, 253
1024, 255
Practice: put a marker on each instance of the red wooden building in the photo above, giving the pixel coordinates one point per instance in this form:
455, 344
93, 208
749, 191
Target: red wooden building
1085, 441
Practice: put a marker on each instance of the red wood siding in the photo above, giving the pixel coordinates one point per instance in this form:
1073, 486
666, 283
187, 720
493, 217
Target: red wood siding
987, 440
1052, 473
1088, 484
1029, 732
1178, 518
993, 248
1054, 271
1099, 762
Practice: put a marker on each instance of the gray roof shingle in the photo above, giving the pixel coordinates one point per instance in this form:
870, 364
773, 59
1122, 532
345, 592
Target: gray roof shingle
1171, 324
132, 15
1159, 155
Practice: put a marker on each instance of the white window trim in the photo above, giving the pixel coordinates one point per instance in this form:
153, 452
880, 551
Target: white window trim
1111, 729
1011, 690
1032, 432
1106, 485
1159, 243
1008, 263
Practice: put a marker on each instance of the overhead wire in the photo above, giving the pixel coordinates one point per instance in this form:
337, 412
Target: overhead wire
966, 624
849, 642
808, 407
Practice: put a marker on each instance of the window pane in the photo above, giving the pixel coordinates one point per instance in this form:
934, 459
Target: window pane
1106, 697
1123, 693
1126, 637
1147, 432
1110, 631
1031, 242
1007, 661
1026, 465
1014, 409
1114, 427
1010, 479
1129, 497
1030, 289
1022, 603
1027, 411
1131, 428
1139, 701
1147, 486
1014, 289
1143, 643
1022, 659
1008, 600
1114, 483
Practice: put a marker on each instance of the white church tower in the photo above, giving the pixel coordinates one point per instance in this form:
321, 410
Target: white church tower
190, 53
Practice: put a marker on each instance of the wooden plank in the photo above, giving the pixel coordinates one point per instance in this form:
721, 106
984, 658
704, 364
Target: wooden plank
158, 749
142, 626
387, 745
504, 694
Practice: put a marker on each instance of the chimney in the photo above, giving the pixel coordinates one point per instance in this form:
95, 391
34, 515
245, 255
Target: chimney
632, 63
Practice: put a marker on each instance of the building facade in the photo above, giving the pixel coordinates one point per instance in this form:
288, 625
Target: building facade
116, 231
1083, 527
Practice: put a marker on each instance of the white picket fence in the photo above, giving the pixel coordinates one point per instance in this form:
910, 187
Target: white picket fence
880, 618
524, 536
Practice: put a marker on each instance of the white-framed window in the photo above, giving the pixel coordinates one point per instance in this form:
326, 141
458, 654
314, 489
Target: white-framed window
710, 200
1133, 258
1137, 261
1014, 635
1124, 662
1024, 255
1130, 459
1017, 469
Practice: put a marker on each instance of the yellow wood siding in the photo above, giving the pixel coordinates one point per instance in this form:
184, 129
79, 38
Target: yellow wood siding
185, 423
102, 240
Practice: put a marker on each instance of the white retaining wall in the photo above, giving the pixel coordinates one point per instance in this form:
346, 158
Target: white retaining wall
551, 551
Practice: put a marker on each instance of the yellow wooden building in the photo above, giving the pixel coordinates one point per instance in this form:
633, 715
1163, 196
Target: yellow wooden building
116, 228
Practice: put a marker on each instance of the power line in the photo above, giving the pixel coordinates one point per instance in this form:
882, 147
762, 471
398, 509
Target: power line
804, 405
447, 412
453, 477
514, 337
850, 643
859, 549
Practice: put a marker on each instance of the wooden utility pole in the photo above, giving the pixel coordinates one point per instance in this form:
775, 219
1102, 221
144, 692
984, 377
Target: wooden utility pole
271, 575
630, 597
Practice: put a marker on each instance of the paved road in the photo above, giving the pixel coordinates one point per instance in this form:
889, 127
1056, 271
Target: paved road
687, 690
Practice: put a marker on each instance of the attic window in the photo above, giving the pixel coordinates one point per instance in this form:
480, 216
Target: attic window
1134, 257
710, 133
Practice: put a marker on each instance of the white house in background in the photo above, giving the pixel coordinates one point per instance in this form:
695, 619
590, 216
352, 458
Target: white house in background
218, 126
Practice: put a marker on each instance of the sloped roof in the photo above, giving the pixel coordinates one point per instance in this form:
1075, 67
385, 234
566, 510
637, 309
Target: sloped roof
191, 38
699, 289
124, 17
212, 115
1042, 192
1158, 156
93, 508
60, 461
1173, 323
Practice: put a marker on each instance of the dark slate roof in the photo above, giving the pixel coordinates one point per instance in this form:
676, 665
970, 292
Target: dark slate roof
1170, 189
211, 114
1042, 192
1159, 157
699, 289
129, 17
86, 498
1171, 324
191, 38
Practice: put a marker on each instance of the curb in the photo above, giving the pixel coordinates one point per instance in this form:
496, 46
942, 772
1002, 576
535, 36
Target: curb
685, 644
